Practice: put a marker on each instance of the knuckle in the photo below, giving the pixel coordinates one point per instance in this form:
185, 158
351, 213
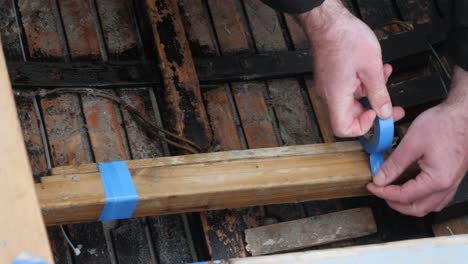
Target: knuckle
389, 168
339, 130
386, 168
379, 96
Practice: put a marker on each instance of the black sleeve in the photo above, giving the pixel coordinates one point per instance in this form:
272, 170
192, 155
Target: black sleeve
293, 6
459, 35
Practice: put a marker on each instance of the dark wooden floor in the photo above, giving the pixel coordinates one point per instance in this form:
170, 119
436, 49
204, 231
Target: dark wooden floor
74, 129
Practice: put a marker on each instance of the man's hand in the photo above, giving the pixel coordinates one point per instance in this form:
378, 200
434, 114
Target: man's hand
348, 66
438, 141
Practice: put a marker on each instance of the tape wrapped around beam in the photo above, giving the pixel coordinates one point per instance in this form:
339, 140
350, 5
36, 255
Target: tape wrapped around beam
121, 194
379, 141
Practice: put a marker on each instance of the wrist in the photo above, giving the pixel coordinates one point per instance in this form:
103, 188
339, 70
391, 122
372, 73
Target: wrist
321, 19
457, 100
458, 96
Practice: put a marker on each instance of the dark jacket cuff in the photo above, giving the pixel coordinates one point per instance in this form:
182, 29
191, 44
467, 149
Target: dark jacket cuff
459, 35
459, 47
293, 6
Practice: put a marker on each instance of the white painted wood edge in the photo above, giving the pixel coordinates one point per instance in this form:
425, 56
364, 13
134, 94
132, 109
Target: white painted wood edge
453, 250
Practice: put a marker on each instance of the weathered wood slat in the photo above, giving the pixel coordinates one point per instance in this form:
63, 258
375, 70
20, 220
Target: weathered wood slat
80, 29
41, 28
129, 237
300, 41
293, 116
10, 31
166, 232
183, 112
184, 109
66, 123
295, 121
222, 228
32, 136
172, 187
312, 231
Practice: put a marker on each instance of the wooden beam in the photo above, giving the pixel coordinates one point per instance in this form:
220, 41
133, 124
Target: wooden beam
21, 226
419, 251
213, 181
311, 231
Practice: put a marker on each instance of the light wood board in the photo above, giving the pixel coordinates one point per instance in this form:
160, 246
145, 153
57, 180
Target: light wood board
214, 181
21, 225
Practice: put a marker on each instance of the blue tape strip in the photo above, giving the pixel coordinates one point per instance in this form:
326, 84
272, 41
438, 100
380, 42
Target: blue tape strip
121, 194
380, 142
28, 261
26, 258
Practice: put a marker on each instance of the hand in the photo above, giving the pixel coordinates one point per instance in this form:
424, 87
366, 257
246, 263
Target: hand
438, 141
348, 66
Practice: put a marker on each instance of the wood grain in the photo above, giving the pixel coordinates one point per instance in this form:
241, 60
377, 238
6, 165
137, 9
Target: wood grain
168, 188
17, 199
223, 229
312, 231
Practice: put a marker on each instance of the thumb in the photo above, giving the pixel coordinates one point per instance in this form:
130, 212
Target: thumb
407, 152
373, 79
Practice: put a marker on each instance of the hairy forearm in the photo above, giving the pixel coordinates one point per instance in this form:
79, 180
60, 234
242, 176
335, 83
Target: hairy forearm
458, 96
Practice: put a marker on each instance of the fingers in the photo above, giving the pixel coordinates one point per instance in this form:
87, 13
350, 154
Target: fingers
362, 120
404, 155
374, 83
387, 69
414, 189
349, 118
420, 208
398, 113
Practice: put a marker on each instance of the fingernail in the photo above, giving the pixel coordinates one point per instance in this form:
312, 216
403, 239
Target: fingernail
379, 178
386, 110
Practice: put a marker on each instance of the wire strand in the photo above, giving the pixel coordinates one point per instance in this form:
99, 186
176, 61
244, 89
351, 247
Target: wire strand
150, 127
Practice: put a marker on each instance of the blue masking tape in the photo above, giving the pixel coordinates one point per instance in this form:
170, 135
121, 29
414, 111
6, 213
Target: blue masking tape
380, 140
121, 195
26, 258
